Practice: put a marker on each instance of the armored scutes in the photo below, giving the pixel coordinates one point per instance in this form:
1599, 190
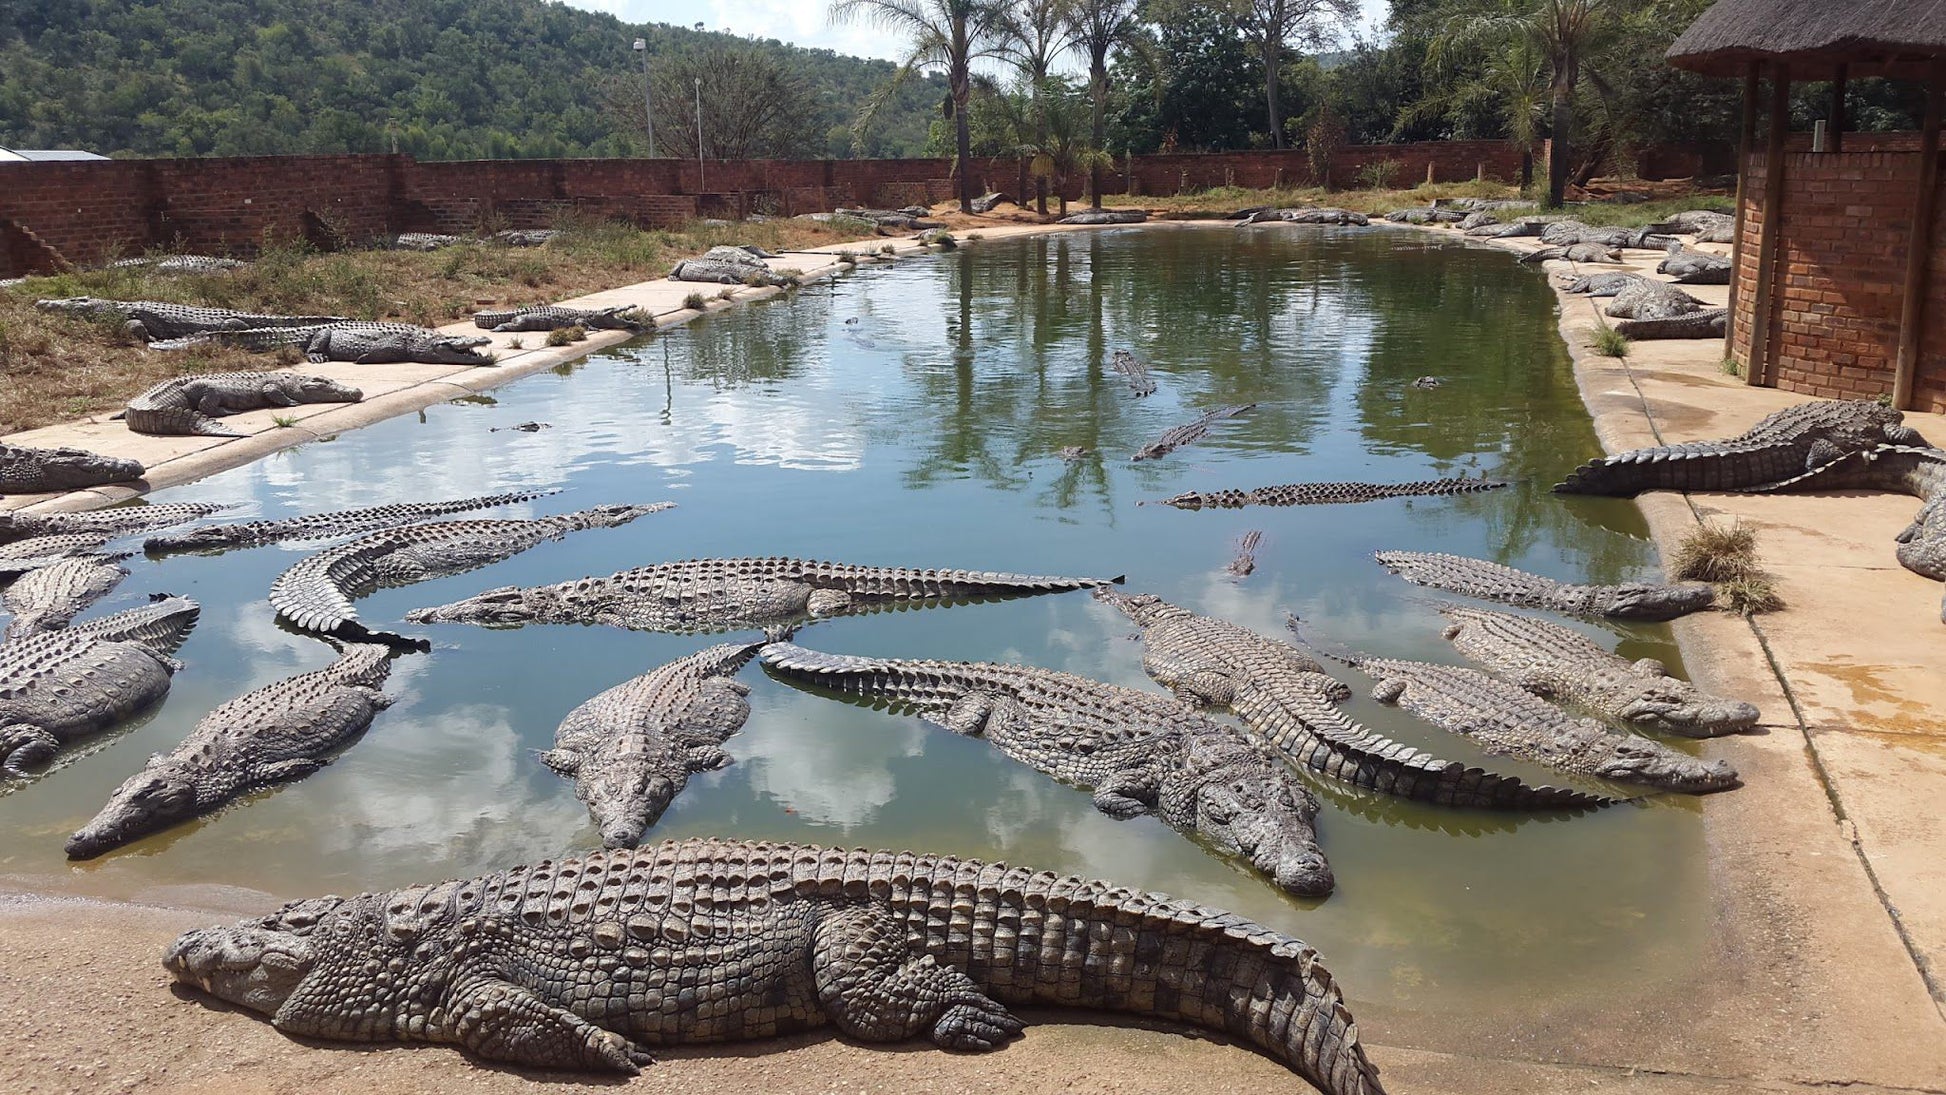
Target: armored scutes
1504, 719
27, 470
278, 734
1694, 267
1709, 323
50, 596
1781, 445
1573, 252
1701, 223
701, 595
1133, 371
424, 241
153, 320
580, 964
1178, 436
1491, 581
1303, 216
197, 265
317, 593
323, 526
1648, 299
59, 686
1289, 704
729, 266
1327, 494
1102, 216
552, 317
1567, 232
357, 342
630, 750
190, 405
1513, 230
117, 521
35, 552
1608, 283
1138, 753
1562, 665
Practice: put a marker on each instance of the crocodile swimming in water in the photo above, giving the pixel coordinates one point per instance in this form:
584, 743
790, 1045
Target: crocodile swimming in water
1327, 494
275, 735
1136, 752
1178, 436
551, 317
586, 963
1491, 581
154, 320
190, 405
50, 596
116, 521
701, 595
323, 526
1134, 372
358, 342
28, 470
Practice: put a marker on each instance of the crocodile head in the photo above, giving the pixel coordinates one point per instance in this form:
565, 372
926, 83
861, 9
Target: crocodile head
152, 799
1143, 608
1673, 707
1248, 809
74, 305
321, 389
508, 606
253, 967
1650, 601
614, 515
454, 350
1653, 764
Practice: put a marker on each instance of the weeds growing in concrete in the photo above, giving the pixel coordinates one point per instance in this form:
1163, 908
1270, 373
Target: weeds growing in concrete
1726, 556
728, 292
1608, 342
1731, 367
1749, 595
563, 336
283, 421
695, 302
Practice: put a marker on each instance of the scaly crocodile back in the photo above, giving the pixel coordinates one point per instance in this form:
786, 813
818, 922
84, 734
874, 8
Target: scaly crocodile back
1178, 436
51, 596
1496, 582
321, 526
1326, 494
118, 521
161, 626
27, 470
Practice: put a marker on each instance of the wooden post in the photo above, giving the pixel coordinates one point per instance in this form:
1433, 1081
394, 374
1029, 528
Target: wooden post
1746, 138
1834, 137
1763, 302
1918, 254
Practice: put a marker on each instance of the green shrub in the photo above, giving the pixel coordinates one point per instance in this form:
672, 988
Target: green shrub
1609, 342
694, 302
562, 336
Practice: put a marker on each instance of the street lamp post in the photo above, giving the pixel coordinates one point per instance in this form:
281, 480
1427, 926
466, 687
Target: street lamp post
701, 185
648, 109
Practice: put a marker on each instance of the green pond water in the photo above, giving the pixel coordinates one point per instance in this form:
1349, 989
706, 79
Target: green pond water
912, 415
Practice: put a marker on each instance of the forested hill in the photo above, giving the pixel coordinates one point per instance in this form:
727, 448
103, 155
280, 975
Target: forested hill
441, 79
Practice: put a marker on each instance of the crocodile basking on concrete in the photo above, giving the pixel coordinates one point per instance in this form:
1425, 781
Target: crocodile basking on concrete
1708, 323
1290, 705
324, 526
1783, 444
586, 963
1491, 581
154, 320
1647, 299
316, 594
117, 521
630, 750
1607, 283
1565, 666
50, 596
27, 470
190, 405
59, 686
551, 317
1573, 252
1572, 232
1706, 225
1327, 494
1178, 436
278, 734
1136, 752
1694, 267
1103, 216
729, 266
1133, 371
700, 595
1303, 216
1503, 719
358, 342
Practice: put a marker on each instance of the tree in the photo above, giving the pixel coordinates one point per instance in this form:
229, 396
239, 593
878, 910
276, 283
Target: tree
952, 33
1097, 27
1202, 81
753, 105
1033, 33
1273, 25
1511, 88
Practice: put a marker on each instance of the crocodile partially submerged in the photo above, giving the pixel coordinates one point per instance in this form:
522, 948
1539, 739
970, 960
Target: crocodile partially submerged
1244, 562
1290, 705
1136, 752
190, 405
116, 521
1491, 581
1648, 299
1328, 494
553, 317
1780, 446
278, 734
1708, 323
36, 552
702, 595
584, 963
358, 342
1178, 436
324, 526
316, 593
630, 750
154, 320
1692, 267
1503, 719
50, 596
57, 687
1562, 665
1134, 372
28, 470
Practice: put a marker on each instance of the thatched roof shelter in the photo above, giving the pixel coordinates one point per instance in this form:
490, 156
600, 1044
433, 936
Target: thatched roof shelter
1815, 37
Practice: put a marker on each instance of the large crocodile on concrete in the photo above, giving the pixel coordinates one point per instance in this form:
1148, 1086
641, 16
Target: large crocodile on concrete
358, 342
1708, 323
1694, 267
324, 526
1573, 252
1607, 283
1562, 665
1503, 719
1290, 705
116, 521
550, 317
1572, 232
190, 405
278, 734
1647, 299
154, 320
28, 470
50, 596
1103, 216
1178, 436
1287, 216
1706, 225
1136, 752
700, 595
584, 963
317, 592
59, 686
630, 750
1781, 445
1327, 494
729, 266
1491, 581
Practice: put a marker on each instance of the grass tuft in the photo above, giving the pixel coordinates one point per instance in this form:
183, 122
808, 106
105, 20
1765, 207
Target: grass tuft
695, 302
1715, 553
1731, 367
1608, 342
564, 336
284, 421
1750, 594
728, 292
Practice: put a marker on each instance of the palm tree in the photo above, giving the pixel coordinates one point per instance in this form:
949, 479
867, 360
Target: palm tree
952, 33
1271, 25
1033, 34
1097, 27
1512, 86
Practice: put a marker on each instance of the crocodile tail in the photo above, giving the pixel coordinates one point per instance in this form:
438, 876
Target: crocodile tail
176, 422
316, 593
915, 582
1700, 466
365, 664
162, 625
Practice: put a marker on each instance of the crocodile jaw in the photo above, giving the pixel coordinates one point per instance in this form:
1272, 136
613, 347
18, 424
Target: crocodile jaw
149, 800
1692, 719
249, 967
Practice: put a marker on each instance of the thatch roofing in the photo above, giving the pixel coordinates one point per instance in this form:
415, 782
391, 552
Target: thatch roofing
1875, 37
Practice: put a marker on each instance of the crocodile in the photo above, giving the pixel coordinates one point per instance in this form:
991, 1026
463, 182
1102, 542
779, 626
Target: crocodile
1328, 494
549, 317
1178, 436
1709, 323
324, 526
59, 686
1604, 284
700, 595
1557, 664
1781, 445
1427, 383
154, 320
1135, 752
358, 342
1564, 232
1479, 218
278, 734
50, 596
909, 219
941, 238
1694, 267
1102, 216
985, 202
526, 237
195, 265
630, 750
731, 266
316, 593
36, 552
1503, 719
118, 521
1695, 222
190, 405
581, 964
1133, 371
1289, 704
1511, 230
28, 470
1411, 216
424, 241
1652, 300
1244, 563
1573, 252
1494, 582
1306, 216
